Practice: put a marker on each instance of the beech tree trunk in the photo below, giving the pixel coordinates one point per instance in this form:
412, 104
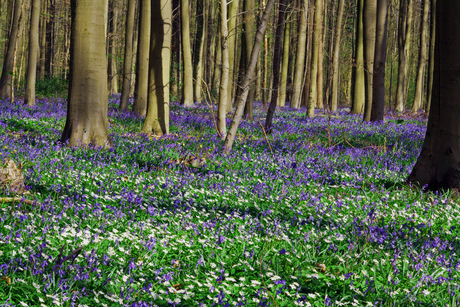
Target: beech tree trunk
438, 166
224, 74
142, 67
187, 90
420, 83
238, 114
359, 91
157, 119
380, 55
128, 58
336, 57
6, 80
431, 63
87, 121
369, 21
29, 98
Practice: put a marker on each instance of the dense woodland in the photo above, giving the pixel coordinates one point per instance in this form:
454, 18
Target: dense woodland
229, 153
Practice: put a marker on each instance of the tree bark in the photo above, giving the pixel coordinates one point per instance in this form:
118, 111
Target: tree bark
198, 51
369, 21
29, 98
224, 73
128, 58
87, 121
378, 83
438, 166
6, 86
112, 63
359, 87
157, 119
142, 71
187, 90
238, 114
404, 41
249, 33
336, 57
284, 66
420, 82
232, 11
431, 64
315, 72
300, 57
276, 65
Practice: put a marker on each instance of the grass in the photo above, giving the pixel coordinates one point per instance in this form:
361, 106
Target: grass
139, 225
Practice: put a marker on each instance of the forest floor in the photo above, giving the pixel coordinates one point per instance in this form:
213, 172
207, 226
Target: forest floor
321, 217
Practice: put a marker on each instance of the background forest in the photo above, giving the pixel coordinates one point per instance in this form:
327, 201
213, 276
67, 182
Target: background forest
214, 153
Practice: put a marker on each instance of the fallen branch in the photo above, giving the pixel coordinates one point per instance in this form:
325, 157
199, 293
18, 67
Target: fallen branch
16, 199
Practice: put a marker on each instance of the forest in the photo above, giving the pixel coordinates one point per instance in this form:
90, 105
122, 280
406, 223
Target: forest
229, 153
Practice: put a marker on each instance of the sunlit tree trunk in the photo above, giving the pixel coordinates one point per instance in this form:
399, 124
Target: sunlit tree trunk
6, 80
438, 166
404, 41
300, 57
224, 73
336, 57
157, 119
128, 58
431, 62
316, 61
284, 66
276, 65
87, 121
238, 114
187, 90
249, 33
369, 22
233, 7
420, 83
112, 62
359, 92
198, 49
29, 98
378, 83
322, 8
142, 67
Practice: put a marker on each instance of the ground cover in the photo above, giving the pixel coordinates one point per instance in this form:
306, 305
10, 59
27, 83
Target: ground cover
317, 218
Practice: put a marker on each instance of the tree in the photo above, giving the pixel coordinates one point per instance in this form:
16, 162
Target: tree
29, 98
438, 166
187, 90
420, 88
6, 80
404, 41
240, 103
300, 56
87, 121
157, 119
128, 58
112, 63
224, 74
316, 62
431, 62
336, 59
359, 92
248, 37
142, 71
232, 11
370, 23
380, 52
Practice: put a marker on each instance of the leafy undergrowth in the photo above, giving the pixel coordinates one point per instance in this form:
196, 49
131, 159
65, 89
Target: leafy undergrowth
323, 220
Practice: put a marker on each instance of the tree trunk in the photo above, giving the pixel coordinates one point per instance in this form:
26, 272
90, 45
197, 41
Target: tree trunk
404, 41
128, 58
142, 71
359, 92
87, 121
438, 166
249, 33
238, 114
112, 62
276, 65
322, 8
336, 57
29, 98
369, 22
198, 51
187, 90
50, 35
378, 88
300, 57
284, 66
157, 119
224, 74
431, 64
316, 61
6, 80
420, 83
43, 40
233, 7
